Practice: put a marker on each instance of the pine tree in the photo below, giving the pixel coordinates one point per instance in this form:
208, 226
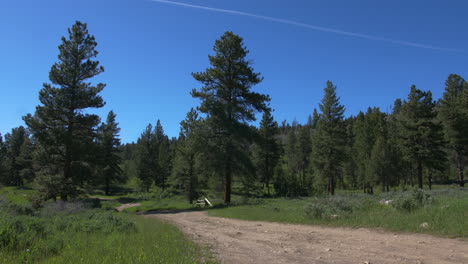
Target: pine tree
229, 102
315, 118
147, 158
367, 129
453, 112
401, 165
61, 125
164, 159
154, 163
421, 133
349, 167
3, 170
304, 148
186, 162
110, 160
267, 150
329, 139
293, 159
18, 157
384, 159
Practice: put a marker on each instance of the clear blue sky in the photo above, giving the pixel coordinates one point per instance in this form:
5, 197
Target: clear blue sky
149, 50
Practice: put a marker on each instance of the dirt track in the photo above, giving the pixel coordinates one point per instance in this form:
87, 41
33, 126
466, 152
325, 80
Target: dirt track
125, 206
238, 241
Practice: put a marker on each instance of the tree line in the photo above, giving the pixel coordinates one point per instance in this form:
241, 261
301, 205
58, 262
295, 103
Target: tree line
65, 150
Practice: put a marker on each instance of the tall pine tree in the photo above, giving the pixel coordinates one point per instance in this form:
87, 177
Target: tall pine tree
329, 140
421, 133
109, 146
453, 112
62, 125
186, 162
267, 150
229, 102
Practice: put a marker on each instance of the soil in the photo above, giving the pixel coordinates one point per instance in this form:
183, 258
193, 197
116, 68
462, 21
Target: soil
125, 206
239, 241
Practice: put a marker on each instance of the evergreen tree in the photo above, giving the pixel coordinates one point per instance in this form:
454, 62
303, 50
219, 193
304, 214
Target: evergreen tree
229, 102
304, 147
349, 167
3, 170
267, 150
154, 163
367, 128
293, 159
315, 118
61, 125
400, 163
421, 133
454, 115
147, 158
361, 148
384, 160
329, 140
110, 159
186, 162
280, 181
18, 157
164, 159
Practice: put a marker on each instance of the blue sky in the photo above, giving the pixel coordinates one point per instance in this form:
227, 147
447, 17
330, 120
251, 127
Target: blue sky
149, 50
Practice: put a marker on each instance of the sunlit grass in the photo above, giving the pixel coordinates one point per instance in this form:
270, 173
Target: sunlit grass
447, 216
71, 232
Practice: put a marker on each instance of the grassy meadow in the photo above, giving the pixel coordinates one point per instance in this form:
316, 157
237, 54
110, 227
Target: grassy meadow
83, 231
89, 230
444, 210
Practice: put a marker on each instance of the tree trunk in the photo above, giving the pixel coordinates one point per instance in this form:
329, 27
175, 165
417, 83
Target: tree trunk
227, 176
191, 187
331, 185
429, 179
383, 184
460, 167
268, 186
420, 175
227, 183
107, 186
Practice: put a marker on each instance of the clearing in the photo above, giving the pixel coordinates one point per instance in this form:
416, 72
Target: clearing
240, 241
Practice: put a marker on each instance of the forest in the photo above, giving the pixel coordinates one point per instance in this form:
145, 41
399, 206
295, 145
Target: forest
64, 150
70, 187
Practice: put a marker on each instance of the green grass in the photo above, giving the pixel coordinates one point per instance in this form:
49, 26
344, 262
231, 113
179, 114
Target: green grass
446, 216
73, 232
18, 196
154, 242
165, 203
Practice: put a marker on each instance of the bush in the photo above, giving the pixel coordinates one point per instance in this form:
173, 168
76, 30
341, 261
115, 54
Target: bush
337, 205
317, 210
411, 201
34, 234
7, 207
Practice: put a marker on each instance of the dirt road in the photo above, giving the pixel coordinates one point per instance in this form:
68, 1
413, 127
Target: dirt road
125, 206
238, 241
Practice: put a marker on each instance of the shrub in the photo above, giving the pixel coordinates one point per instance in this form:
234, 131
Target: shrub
47, 232
411, 201
337, 205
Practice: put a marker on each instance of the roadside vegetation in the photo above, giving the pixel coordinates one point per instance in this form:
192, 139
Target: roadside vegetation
82, 232
442, 212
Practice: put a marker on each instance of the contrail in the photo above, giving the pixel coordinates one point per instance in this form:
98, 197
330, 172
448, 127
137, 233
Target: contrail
309, 26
